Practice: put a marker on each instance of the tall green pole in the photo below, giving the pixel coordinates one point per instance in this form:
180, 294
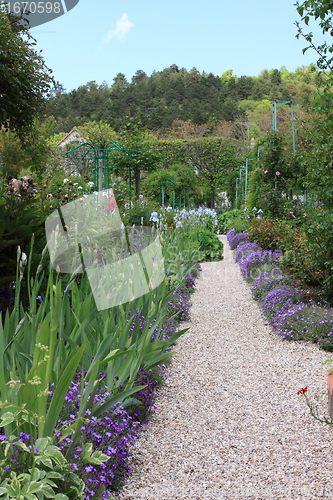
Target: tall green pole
274, 116
293, 127
247, 174
243, 167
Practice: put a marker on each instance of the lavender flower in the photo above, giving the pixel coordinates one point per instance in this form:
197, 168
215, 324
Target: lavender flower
234, 239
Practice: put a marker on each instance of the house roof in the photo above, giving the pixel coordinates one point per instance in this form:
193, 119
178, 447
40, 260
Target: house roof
70, 136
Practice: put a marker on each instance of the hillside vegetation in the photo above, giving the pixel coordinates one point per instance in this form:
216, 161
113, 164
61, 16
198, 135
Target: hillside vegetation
181, 103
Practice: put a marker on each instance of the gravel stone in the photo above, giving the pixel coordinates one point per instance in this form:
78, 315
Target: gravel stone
229, 424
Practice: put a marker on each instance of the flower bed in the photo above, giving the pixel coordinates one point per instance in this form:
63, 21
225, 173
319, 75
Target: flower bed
89, 375
281, 303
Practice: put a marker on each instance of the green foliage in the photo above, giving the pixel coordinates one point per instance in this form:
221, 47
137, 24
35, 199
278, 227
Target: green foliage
43, 472
151, 186
320, 10
301, 255
18, 222
13, 158
209, 245
231, 219
320, 246
175, 94
24, 78
139, 214
98, 131
212, 157
31, 154
177, 177
268, 234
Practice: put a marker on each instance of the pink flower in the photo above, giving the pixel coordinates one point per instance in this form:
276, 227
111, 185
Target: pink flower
265, 153
277, 173
273, 149
265, 171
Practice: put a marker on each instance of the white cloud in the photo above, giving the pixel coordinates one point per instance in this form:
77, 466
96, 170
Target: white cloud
122, 27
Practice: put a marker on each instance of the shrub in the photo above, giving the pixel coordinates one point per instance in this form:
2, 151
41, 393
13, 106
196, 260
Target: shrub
306, 322
231, 219
266, 233
209, 244
266, 282
279, 300
258, 261
235, 238
245, 248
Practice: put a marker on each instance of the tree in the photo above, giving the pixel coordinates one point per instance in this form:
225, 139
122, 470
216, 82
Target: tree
24, 78
177, 177
213, 158
32, 156
136, 139
120, 82
322, 10
139, 76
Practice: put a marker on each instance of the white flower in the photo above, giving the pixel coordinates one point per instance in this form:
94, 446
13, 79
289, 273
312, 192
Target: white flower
154, 217
80, 187
90, 184
65, 180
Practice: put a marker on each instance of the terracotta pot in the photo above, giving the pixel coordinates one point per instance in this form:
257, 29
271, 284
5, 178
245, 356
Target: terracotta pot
330, 393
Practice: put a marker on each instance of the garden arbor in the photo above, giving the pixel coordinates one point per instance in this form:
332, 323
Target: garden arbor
103, 156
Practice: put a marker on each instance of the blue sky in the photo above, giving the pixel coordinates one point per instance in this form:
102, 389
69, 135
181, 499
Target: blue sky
98, 39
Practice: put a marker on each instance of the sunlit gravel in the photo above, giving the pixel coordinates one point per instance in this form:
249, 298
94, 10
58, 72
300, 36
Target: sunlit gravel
229, 424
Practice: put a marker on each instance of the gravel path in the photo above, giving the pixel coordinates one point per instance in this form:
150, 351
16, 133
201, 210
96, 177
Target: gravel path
229, 424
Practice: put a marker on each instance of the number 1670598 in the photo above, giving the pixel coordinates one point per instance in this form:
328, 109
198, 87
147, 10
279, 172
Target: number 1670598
32, 7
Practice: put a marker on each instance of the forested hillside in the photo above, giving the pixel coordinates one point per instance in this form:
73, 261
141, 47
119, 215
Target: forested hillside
168, 99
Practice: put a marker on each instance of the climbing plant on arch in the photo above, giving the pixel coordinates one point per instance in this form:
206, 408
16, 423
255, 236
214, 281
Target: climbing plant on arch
103, 156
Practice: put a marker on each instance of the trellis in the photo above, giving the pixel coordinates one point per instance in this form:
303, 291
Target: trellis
105, 156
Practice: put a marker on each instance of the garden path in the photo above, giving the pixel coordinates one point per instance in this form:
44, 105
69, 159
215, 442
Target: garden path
229, 423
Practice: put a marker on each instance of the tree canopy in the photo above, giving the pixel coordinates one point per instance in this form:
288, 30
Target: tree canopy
175, 94
24, 78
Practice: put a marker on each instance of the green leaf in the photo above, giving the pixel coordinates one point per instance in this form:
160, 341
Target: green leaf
96, 458
7, 418
46, 461
59, 395
31, 487
41, 443
47, 491
98, 410
14, 488
30, 496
